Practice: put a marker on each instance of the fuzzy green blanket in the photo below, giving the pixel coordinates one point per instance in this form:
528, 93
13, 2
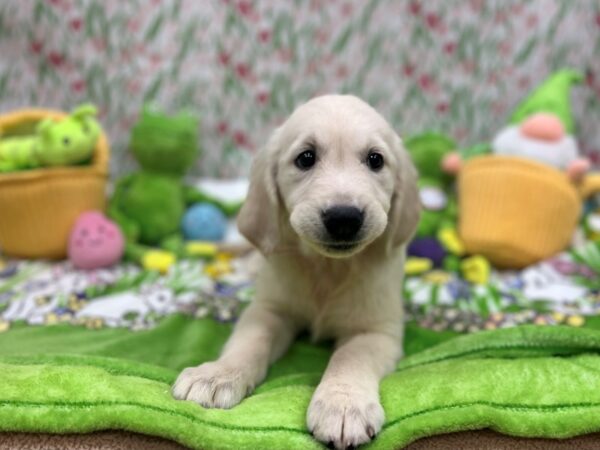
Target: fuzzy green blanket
524, 381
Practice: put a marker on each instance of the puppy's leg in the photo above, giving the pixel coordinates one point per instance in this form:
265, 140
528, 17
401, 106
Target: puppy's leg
345, 408
259, 338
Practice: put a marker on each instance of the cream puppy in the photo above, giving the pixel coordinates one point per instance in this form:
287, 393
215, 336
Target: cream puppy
332, 202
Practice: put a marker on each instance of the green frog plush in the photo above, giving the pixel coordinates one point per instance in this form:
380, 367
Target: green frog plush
438, 215
62, 142
149, 204
428, 151
436, 242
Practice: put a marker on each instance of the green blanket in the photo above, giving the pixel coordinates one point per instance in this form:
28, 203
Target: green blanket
524, 381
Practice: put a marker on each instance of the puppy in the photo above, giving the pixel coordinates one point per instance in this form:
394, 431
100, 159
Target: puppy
332, 202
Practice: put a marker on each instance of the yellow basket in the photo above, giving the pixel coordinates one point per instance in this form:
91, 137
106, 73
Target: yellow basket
38, 207
516, 212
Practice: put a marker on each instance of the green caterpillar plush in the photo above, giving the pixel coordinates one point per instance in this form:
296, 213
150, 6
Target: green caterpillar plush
63, 142
149, 204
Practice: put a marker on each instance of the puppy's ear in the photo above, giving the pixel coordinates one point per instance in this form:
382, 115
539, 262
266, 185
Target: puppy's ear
406, 204
259, 216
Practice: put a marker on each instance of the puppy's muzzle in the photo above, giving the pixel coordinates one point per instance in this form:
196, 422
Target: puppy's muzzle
343, 223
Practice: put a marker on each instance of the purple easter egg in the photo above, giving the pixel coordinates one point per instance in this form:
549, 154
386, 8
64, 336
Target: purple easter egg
427, 247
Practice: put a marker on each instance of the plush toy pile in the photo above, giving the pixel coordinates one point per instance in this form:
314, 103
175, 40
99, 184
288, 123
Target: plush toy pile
150, 205
520, 198
153, 218
485, 205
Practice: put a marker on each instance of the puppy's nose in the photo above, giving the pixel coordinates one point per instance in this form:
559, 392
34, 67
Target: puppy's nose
342, 222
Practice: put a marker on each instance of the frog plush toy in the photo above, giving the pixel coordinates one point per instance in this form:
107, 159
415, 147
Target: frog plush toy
149, 204
61, 142
436, 242
428, 151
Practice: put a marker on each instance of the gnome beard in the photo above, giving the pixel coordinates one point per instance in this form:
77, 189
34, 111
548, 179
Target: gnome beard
541, 138
512, 142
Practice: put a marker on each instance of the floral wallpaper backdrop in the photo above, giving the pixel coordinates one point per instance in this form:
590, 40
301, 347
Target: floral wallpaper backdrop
455, 66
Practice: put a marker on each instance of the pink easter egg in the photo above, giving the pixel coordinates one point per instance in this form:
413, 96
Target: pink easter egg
95, 241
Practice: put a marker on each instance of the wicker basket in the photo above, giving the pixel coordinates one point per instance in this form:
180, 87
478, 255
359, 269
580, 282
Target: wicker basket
516, 212
38, 207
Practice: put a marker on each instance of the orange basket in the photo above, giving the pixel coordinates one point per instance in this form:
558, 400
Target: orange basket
39, 207
516, 212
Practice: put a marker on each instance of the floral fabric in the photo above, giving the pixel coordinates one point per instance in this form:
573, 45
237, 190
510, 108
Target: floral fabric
454, 66
563, 290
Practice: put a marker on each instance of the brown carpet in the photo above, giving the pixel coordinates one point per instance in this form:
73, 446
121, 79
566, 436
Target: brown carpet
101, 440
490, 440
123, 440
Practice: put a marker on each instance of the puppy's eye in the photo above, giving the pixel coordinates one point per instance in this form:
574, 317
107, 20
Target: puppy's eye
306, 159
375, 161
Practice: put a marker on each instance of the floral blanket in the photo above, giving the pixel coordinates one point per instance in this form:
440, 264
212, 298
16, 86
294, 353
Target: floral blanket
563, 290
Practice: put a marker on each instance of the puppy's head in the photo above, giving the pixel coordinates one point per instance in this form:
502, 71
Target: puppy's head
337, 176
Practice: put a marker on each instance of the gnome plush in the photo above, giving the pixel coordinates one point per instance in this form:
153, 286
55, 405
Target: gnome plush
542, 128
428, 151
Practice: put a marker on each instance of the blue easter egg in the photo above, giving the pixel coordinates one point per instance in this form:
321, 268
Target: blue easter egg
204, 222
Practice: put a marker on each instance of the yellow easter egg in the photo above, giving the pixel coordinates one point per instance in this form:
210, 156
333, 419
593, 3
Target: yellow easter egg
416, 266
451, 241
158, 260
476, 269
201, 249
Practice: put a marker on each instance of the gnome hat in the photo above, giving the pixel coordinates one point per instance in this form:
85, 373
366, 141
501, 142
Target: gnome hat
552, 96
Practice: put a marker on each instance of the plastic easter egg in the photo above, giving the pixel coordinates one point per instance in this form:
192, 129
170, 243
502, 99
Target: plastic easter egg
429, 248
204, 222
95, 242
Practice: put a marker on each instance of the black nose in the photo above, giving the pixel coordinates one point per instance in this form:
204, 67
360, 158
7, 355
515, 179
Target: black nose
342, 222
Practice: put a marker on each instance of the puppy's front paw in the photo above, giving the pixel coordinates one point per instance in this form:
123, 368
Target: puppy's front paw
213, 385
344, 415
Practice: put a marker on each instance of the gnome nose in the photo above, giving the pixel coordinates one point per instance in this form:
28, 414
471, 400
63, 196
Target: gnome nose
543, 126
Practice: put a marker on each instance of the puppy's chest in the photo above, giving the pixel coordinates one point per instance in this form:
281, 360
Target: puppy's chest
333, 299
334, 304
